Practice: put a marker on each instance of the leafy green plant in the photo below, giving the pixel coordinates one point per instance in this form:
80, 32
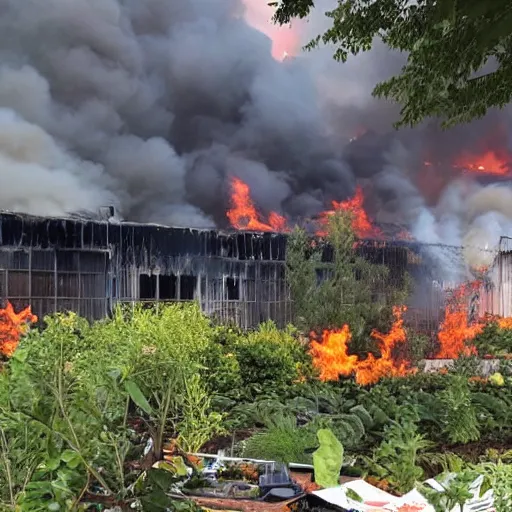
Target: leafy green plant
456, 491
466, 366
493, 340
270, 357
350, 289
417, 347
396, 459
199, 423
499, 477
460, 423
328, 459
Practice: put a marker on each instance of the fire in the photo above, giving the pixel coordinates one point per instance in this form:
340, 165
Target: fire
489, 162
244, 215
456, 332
504, 323
12, 326
361, 223
331, 358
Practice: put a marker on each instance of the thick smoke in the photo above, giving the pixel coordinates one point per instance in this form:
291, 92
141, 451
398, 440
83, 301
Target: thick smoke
153, 106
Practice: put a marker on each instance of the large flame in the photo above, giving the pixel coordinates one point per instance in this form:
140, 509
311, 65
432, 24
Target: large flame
455, 333
244, 215
361, 223
489, 162
331, 358
12, 326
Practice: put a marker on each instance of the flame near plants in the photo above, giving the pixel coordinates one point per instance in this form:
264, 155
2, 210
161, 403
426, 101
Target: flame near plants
456, 332
331, 358
361, 223
12, 326
243, 214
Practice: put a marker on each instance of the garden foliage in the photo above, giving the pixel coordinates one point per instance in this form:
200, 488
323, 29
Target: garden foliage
347, 290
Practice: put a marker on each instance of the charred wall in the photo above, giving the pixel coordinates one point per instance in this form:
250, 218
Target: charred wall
89, 266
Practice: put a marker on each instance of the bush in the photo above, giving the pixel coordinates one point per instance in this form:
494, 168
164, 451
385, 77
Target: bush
65, 396
494, 340
270, 358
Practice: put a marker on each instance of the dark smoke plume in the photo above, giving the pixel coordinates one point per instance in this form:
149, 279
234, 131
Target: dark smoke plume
152, 106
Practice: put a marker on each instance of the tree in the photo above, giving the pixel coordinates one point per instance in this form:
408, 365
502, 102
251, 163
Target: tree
346, 289
459, 62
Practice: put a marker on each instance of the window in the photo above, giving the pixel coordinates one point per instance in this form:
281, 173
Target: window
147, 287
167, 287
233, 288
187, 287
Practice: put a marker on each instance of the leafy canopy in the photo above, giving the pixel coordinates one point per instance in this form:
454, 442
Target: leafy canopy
459, 61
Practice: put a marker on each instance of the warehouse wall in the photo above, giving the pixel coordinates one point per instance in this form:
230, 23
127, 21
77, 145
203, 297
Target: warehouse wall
86, 266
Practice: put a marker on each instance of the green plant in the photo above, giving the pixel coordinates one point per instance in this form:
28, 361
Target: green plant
466, 366
499, 478
154, 491
199, 423
396, 459
493, 340
456, 491
417, 347
281, 442
270, 358
460, 423
350, 291
328, 459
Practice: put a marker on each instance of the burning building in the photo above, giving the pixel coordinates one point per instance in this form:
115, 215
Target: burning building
89, 266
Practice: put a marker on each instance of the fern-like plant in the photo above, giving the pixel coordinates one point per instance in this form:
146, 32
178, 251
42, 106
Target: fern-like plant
282, 442
460, 423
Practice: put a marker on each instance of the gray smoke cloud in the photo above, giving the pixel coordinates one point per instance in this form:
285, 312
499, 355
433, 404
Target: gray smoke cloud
153, 106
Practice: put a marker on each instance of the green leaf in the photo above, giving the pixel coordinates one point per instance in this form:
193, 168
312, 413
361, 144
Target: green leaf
52, 464
71, 458
54, 507
137, 396
328, 459
176, 466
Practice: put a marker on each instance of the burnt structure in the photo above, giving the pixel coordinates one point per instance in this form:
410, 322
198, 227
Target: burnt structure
89, 266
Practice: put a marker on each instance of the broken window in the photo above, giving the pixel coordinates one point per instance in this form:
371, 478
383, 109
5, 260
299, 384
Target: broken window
233, 288
187, 287
147, 287
167, 287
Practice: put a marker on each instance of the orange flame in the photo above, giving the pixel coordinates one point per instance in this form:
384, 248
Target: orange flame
361, 223
243, 214
489, 162
455, 332
331, 358
12, 327
504, 323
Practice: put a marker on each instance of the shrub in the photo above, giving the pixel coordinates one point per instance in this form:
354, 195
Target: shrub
270, 358
221, 370
494, 340
67, 390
